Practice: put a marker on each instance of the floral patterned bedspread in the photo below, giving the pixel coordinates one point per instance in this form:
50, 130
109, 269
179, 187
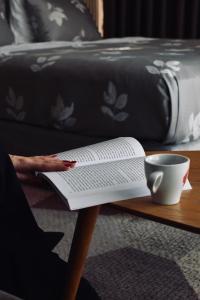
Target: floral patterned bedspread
140, 87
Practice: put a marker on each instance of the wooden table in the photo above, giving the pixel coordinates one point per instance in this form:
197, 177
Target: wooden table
184, 215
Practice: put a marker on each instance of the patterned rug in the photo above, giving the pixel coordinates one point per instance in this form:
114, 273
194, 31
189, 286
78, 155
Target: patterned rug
132, 258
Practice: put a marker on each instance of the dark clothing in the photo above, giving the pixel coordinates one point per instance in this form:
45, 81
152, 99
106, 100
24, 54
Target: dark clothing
28, 268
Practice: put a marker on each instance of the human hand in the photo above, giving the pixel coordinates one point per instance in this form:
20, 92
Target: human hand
26, 167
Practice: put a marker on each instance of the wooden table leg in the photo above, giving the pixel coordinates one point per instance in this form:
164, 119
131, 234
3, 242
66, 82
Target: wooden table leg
78, 253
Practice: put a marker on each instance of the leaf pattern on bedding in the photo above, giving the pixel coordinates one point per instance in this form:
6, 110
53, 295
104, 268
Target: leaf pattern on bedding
114, 104
62, 115
15, 106
160, 67
76, 90
56, 14
43, 62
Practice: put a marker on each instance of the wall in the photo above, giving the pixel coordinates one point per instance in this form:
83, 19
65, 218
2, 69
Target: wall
152, 18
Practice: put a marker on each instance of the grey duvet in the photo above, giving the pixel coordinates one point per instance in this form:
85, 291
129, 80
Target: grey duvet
145, 88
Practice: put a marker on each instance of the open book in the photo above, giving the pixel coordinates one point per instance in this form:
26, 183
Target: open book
105, 172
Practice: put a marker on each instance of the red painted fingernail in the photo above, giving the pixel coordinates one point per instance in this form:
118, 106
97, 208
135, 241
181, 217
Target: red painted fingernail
67, 164
69, 161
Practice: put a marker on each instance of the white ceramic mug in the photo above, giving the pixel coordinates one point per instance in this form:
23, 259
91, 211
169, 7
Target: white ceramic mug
166, 175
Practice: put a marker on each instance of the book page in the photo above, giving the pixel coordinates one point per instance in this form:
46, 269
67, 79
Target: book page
115, 149
101, 183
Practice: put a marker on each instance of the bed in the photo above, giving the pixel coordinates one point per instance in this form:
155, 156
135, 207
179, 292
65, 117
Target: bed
56, 95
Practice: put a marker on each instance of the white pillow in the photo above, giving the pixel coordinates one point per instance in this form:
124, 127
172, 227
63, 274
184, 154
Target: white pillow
19, 23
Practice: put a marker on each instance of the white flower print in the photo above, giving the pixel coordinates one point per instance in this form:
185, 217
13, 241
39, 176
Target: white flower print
160, 67
62, 114
80, 6
43, 62
56, 14
114, 104
15, 106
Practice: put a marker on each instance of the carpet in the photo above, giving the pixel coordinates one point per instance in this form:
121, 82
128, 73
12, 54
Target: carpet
131, 258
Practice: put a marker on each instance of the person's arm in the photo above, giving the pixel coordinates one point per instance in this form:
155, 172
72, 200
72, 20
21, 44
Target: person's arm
26, 167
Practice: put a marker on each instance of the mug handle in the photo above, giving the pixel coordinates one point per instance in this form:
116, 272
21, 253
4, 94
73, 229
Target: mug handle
154, 180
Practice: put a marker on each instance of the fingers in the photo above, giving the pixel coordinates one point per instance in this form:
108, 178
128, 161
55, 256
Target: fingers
41, 163
50, 165
68, 163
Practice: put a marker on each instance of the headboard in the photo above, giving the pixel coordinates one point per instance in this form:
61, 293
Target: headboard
96, 9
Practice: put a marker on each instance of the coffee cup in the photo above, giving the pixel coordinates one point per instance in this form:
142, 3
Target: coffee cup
166, 175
